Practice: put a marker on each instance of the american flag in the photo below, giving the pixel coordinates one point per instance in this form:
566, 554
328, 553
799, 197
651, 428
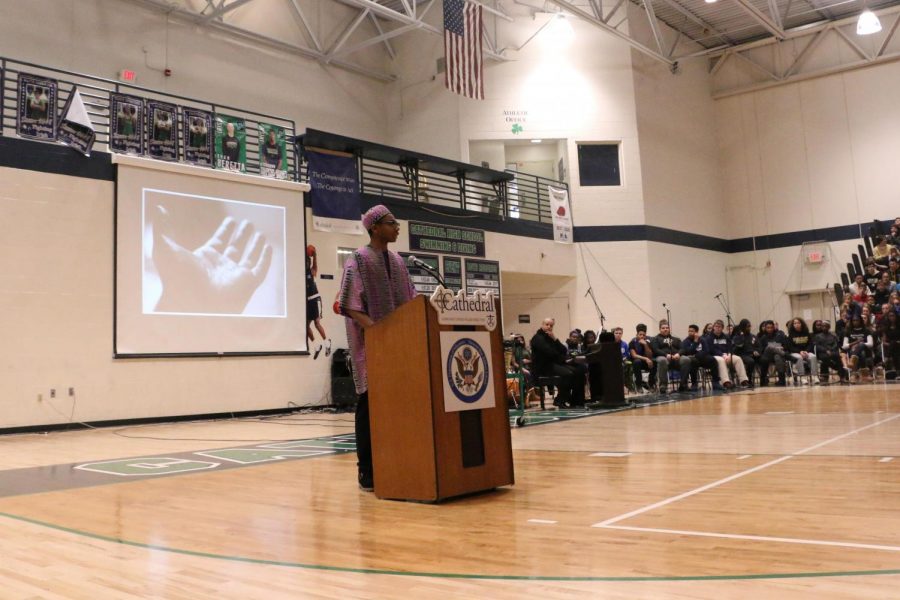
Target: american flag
462, 48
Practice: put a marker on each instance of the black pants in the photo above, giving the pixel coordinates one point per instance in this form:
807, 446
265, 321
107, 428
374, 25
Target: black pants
363, 435
831, 360
765, 360
571, 387
638, 366
749, 366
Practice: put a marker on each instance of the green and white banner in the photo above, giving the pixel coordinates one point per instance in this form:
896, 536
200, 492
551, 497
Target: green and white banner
231, 144
272, 152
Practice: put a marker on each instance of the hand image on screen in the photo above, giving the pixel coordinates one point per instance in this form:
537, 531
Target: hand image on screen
218, 277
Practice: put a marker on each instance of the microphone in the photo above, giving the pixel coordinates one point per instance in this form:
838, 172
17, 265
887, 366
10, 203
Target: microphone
412, 261
719, 295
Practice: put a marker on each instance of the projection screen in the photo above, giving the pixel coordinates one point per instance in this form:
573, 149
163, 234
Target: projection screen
207, 262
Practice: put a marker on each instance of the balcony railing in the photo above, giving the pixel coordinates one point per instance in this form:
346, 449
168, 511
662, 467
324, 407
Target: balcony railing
95, 92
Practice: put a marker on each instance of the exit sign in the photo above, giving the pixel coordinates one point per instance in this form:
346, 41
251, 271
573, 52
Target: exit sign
815, 256
127, 75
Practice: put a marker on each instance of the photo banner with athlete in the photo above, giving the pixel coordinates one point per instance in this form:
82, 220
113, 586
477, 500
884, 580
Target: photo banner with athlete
162, 138
75, 127
36, 110
335, 192
231, 144
272, 151
126, 124
198, 139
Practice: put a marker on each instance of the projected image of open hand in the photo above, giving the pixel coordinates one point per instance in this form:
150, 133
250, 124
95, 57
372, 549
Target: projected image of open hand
218, 277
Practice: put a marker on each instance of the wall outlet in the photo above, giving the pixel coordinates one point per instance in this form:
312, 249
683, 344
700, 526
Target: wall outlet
53, 392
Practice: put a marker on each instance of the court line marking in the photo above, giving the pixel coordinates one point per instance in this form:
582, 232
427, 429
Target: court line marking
886, 459
471, 576
738, 475
542, 521
759, 538
611, 454
744, 456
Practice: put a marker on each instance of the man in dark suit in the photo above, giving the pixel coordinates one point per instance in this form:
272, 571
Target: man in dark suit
549, 357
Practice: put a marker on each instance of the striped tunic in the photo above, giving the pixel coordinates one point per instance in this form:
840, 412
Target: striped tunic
374, 283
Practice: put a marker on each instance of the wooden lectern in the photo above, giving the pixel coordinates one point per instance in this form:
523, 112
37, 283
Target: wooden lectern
419, 451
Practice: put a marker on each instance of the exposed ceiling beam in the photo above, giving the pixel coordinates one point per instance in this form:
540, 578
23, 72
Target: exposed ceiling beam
654, 26
762, 18
195, 18
578, 11
697, 20
223, 9
298, 10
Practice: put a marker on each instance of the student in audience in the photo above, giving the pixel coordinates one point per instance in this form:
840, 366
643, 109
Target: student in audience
771, 347
872, 274
588, 339
800, 349
574, 343
626, 359
707, 329
666, 353
720, 350
882, 293
859, 291
893, 238
890, 339
827, 348
858, 346
642, 359
894, 270
881, 251
689, 347
743, 345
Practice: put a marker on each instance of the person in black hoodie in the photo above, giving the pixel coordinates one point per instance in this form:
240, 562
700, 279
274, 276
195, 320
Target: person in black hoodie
858, 346
771, 347
743, 344
689, 347
890, 337
828, 350
642, 358
666, 353
800, 349
548, 358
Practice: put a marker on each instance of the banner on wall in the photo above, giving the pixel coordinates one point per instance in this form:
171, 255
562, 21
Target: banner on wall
562, 215
162, 139
272, 152
75, 127
334, 180
198, 143
445, 239
126, 115
36, 110
482, 275
231, 144
453, 273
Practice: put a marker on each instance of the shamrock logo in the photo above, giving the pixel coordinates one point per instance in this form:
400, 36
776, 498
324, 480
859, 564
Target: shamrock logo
517, 128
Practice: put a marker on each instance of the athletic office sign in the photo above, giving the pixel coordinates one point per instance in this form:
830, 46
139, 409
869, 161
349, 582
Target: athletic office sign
461, 309
467, 370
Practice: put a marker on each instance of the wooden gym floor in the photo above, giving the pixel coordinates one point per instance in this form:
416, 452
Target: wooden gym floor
782, 493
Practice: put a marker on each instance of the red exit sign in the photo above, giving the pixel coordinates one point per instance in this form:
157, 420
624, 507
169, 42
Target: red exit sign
127, 75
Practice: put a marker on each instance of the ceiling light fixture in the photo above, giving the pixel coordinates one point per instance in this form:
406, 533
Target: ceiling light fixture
711, 1
536, 141
868, 23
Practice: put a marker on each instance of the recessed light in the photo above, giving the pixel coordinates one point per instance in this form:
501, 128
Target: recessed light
536, 141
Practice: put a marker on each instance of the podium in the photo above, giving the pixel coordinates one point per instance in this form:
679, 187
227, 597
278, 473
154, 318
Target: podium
419, 450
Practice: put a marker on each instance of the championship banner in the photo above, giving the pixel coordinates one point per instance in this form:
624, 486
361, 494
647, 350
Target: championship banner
562, 215
36, 109
162, 142
273, 160
335, 193
126, 116
466, 364
453, 273
231, 144
75, 127
198, 143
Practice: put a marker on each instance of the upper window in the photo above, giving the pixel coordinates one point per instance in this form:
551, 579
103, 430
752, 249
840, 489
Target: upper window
598, 164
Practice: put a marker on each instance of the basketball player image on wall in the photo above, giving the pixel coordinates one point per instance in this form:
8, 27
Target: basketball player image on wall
36, 111
198, 146
163, 130
272, 151
231, 144
127, 126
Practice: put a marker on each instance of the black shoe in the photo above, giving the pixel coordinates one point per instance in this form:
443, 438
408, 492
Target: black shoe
366, 482
318, 350
682, 389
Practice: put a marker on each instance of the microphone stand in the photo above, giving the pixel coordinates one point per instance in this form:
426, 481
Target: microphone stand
590, 293
726, 308
668, 316
434, 272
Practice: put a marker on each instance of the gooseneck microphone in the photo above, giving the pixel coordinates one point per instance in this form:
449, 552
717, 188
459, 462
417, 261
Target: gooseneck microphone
412, 261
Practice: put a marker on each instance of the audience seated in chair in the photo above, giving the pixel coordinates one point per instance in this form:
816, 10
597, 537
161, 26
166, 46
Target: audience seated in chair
666, 353
642, 359
549, 358
800, 350
771, 347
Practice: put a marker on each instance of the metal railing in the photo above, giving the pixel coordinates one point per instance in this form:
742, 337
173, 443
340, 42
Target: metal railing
524, 197
95, 92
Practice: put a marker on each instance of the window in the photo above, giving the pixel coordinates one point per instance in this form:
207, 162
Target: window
598, 164
342, 255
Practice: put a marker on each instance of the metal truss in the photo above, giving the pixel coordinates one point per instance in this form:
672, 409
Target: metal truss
778, 61
373, 24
